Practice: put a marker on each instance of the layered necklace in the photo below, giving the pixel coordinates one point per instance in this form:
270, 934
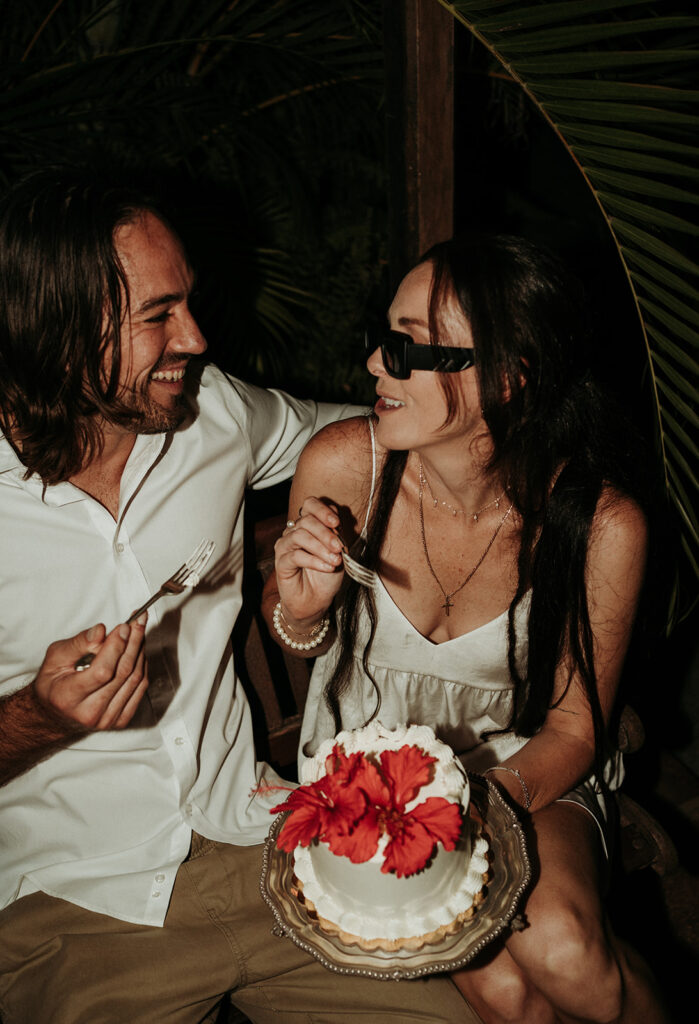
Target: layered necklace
448, 603
454, 509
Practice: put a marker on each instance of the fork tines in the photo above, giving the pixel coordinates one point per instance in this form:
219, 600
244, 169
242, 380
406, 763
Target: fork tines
196, 562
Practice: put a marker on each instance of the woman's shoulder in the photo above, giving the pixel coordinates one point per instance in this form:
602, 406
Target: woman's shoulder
344, 443
616, 511
617, 539
338, 458
619, 524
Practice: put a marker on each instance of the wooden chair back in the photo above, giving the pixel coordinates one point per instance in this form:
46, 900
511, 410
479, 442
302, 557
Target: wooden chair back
275, 683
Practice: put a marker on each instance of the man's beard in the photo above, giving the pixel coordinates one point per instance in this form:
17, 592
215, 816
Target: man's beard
149, 417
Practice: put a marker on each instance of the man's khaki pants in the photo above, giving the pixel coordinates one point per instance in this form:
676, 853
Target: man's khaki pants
60, 964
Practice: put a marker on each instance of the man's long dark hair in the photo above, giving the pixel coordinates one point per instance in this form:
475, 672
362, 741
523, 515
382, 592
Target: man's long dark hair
62, 302
558, 442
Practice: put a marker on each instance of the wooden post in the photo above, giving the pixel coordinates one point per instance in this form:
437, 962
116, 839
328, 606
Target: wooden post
418, 50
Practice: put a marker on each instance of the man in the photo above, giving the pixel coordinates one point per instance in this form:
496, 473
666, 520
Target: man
130, 811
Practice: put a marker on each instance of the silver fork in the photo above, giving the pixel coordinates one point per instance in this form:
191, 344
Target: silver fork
366, 577
188, 575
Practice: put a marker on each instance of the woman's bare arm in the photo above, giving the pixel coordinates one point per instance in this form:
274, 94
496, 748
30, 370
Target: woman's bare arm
562, 753
328, 493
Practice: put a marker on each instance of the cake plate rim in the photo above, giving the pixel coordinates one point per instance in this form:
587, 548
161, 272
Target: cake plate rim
510, 878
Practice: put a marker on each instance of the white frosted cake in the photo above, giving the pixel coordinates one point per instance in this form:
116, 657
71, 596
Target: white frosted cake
384, 852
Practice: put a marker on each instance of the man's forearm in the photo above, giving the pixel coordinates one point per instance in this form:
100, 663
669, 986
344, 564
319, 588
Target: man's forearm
29, 733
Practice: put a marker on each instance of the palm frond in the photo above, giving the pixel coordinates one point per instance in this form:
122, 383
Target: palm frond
617, 83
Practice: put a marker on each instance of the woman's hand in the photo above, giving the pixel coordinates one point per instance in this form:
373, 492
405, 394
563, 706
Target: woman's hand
308, 563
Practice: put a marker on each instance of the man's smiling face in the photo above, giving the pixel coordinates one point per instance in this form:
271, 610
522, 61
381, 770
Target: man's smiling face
159, 334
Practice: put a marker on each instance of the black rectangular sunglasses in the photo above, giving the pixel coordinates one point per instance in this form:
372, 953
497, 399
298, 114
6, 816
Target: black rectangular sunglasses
401, 355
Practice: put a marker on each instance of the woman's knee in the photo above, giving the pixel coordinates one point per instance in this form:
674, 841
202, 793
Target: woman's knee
506, 993
502, 992
573, 960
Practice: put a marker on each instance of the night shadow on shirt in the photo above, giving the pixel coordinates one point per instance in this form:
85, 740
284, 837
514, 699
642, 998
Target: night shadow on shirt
162, 643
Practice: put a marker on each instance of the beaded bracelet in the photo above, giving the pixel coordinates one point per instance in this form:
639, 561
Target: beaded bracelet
318, 633
314, 631
518, 774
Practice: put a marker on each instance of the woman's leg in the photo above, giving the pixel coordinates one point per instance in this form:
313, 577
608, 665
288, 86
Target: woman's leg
569, 952
566, 966
500, 992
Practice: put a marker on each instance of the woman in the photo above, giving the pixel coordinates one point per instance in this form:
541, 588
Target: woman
509, 542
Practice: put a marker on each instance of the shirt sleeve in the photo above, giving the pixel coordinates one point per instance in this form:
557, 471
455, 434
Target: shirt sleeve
278, 428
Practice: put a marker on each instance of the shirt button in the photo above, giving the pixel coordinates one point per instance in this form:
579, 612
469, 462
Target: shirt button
179, 741
155, 894
188, 808
120, 547
160, 877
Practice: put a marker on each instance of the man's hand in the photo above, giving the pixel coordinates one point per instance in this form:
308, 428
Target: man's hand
61, 705
103, 696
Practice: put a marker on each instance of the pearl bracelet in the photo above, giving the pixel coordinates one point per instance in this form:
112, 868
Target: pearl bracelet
318, 633
314, 631
516, 772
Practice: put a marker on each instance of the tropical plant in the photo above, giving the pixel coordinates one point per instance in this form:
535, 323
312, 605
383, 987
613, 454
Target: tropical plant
616, 80
240, 114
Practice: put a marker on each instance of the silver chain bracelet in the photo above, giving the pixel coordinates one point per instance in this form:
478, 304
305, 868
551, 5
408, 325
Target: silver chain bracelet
516, 772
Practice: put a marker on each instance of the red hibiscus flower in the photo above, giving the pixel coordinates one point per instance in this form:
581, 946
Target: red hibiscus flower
358, 802
414, 834
324, 809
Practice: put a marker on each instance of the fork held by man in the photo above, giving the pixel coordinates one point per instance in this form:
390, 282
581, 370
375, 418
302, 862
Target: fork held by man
188, 575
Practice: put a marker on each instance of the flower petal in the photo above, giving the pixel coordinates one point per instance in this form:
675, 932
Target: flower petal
343, 805
442, 820
338, 763
361, 843
300, 828
408, 770
409, 850
302, 796
368, 778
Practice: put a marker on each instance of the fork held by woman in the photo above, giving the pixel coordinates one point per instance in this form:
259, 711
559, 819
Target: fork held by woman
310, 556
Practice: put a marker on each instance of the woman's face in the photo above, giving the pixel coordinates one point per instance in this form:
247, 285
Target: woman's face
412, 412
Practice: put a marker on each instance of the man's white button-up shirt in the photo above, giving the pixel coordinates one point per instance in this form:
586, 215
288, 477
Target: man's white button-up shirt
106, 822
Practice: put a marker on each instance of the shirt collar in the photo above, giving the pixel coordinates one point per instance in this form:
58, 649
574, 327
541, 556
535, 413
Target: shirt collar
144, 452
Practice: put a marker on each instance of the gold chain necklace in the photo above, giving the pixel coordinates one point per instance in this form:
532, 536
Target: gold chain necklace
454, 509
448, 597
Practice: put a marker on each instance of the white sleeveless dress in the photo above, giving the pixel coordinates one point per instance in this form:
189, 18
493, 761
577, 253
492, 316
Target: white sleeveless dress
461, 688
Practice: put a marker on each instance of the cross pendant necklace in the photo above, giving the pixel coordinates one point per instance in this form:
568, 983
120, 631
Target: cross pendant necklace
448, 603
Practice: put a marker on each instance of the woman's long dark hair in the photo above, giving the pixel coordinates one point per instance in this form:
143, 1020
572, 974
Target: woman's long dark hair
558, 441
62, 302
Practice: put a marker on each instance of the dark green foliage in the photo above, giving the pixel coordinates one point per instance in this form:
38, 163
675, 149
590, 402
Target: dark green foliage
223, 109
616, 80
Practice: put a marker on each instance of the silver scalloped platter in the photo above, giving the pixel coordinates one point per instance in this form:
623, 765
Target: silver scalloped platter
510, 873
